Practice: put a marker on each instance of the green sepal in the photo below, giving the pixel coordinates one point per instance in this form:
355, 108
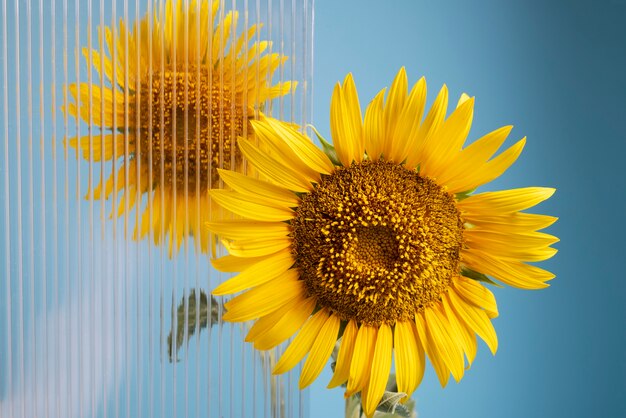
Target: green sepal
464, 195
390, 405
327, 147
480, 277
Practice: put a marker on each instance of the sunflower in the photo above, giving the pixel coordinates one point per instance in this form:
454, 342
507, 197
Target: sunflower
381, 244
180, 87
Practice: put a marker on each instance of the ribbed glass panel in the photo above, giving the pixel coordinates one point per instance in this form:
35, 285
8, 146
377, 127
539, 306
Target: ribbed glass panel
114, 116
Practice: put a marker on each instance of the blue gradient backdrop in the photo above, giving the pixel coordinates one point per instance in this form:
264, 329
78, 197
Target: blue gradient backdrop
556, 70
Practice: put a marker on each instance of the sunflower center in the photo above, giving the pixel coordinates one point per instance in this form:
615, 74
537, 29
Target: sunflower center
189, 122
376, 242
372, 247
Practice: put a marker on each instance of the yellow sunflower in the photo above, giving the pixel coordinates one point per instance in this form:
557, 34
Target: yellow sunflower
383, 245
180, 87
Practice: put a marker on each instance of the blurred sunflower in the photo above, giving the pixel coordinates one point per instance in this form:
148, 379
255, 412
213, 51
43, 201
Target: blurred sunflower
381, 244
180, 88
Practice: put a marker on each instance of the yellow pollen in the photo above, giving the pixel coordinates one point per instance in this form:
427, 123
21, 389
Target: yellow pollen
376, 242
191, 120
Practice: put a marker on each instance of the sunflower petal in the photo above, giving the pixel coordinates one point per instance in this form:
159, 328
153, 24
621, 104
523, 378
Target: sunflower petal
477, 294
258, 188
409, 357
256, 247
361, 359
273, 169
393, 108
306, 151
511, 272
344, 357
302, 343
465, 336
346, 123
443, 373
263, 299
282, 152
274, 266
476, 319
284, 327
235, 229
532, 246
485, 173
443, 345
409, 121
374, 127
512, 223
505, 201
101, 148
320, 351
381, 366
431, 124
231, 263
446, 142
248, 207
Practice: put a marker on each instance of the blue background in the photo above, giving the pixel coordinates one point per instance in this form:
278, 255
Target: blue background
556, 70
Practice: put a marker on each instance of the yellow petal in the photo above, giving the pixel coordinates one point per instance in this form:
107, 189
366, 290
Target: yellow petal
407, 128
409, 357
95, 59
116, 180
513, 273
220, 36
374, 127
444, 145
282, 152
393, 107
476, 319
107, 103
504, 201
512, 223
431, 124
344, 357
320, 351
234, 229
531, 246
381, 366
256, 247
284, 327
274, 266
274, 170
477, 294
464, 97
258, 188
277, 90
482, 174
443, 373
465, 336
230, 263
346, 123
267, 322
302, 343
263, 299
353, 121
101, 147
361, 359
306, 151
443, 345
248, 207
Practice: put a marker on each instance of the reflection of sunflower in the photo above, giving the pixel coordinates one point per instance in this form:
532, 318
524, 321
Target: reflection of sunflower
383, 246
178, 108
